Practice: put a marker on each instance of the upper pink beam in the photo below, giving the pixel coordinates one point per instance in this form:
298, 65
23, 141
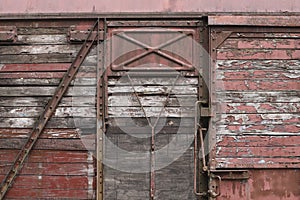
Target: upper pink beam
146, 6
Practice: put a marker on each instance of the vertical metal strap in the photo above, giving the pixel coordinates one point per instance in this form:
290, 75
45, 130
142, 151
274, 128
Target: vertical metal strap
49, 110
153, 126
100, 116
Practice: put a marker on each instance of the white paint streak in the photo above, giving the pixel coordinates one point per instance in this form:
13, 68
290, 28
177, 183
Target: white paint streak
261, 162
90, 176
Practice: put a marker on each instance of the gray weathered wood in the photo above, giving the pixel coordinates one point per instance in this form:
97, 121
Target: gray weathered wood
38, 49
88, 123
153, 89
131, 100
41, 101
151, 112
45, 81
123, 81
45, 91
42, 31
43, 39
20, 112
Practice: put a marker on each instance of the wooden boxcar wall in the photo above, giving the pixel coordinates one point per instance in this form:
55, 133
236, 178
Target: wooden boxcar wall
32, 65
255, 82
255, 85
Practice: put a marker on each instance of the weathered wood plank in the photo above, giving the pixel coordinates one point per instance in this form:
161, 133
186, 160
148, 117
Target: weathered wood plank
255, 43
37, 58
259, 96
258, 141
137, 81
140, 130
151, 112
52, 169
87, 123
46, 156
258, 64
153, 89
42, 31
259, 129
254, 152
39, 49
259, 108
51, 144
273, 35
48, 23
247, 119
257, 163
34, 67
142, 122
41, 75
259, 54
43, 39
257, 74
256, 85
54, 182
79, 81
45, 91
131, 100
47, 133
25, 193
41, 101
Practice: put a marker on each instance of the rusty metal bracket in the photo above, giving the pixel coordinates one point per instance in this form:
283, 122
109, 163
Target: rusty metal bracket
77, 34
231, 174
216, 177
215, 189
49, 110
217, 38
8, 34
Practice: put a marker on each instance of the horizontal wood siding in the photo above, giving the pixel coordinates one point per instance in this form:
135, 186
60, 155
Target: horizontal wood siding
257, 76
61, 164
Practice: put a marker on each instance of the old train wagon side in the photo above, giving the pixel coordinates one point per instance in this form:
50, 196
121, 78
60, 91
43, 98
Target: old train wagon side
225, 87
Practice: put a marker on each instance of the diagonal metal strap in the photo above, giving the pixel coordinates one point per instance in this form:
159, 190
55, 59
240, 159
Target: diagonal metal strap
49, 110
153, 126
